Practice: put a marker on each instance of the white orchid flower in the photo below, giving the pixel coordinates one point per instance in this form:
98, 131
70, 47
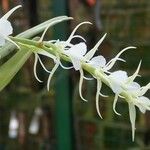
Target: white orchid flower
6, 27
75, 52
142, 102
119, 82
99, 63
137, 99
61, 45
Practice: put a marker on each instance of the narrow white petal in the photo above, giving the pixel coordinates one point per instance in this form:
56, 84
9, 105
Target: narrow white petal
78, 36
144, 100
75, 29
103, 95
43, 64
99, 84
114, 104
80, 85
51, 74
144, 89
111, 63
132, 115
64, 67
141, 108
6, 16
91, 53
86, 78
131, 78
35, 64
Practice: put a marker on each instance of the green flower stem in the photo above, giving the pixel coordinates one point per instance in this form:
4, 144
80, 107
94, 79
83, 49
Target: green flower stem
35, 46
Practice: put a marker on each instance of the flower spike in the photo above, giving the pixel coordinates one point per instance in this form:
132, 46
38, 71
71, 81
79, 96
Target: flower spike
114, 104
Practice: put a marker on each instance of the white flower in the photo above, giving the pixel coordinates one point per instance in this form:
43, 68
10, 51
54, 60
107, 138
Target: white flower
6, 27
99, 63
67, 48
120, 82
137, 99
75, 52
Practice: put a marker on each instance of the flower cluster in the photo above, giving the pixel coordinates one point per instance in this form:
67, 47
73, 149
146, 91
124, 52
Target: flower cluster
122, 85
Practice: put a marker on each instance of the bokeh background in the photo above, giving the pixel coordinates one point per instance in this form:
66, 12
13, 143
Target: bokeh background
59, 119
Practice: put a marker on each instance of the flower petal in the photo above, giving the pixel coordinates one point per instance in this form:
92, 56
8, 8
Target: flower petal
143, 90
134, 86
131, 78
43, 65
145, 101
99, 85
35, 65
117, 78
5, 27
75, 29
111, 63
91, 53
98, 61
77, 50
76, 54
51, 74
6, 16
80, 85
132, 115
114, 104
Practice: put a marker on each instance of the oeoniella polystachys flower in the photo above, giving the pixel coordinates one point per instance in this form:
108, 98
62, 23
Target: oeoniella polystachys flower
122, 85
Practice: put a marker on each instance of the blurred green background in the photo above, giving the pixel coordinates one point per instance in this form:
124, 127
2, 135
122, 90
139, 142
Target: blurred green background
65, 121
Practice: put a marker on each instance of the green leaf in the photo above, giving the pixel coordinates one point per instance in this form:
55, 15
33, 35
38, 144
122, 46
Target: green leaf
32, 32
9, 69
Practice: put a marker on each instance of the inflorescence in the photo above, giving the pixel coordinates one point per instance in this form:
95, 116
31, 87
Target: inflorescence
82, 59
